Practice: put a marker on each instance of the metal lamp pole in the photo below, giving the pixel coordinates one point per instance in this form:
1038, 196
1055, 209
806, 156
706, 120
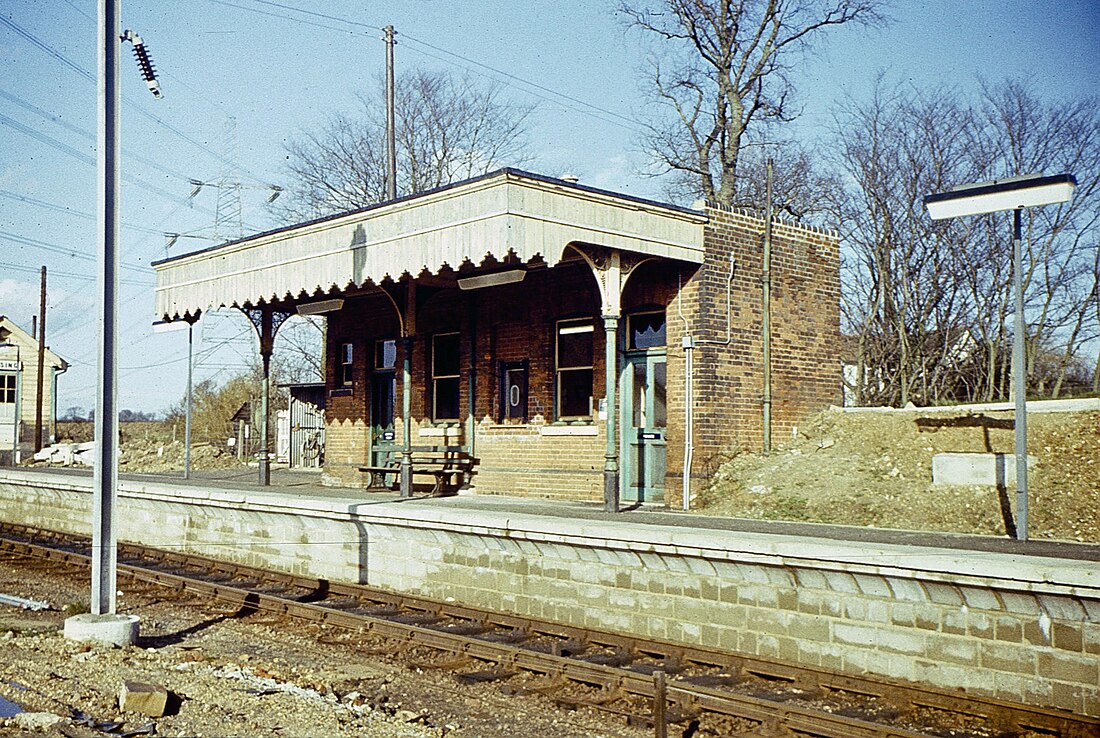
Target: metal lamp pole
1019, 378
1013, 194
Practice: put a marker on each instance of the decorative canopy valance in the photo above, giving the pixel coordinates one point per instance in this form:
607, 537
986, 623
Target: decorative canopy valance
507, 214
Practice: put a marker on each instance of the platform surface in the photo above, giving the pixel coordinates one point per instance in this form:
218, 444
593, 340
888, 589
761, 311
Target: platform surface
306, 485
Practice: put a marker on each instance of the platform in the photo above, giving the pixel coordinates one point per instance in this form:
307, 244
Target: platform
1009, 619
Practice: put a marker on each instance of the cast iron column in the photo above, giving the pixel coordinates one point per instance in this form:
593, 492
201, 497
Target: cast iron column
406, 416
265, 354
611, 456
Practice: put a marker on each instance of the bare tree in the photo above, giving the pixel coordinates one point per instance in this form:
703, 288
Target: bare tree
448, 128
930, 303
723, 70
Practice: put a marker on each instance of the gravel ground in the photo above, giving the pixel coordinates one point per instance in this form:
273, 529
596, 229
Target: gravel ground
245, 676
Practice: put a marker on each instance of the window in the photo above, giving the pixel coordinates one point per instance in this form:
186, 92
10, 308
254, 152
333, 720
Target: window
645, 331
345, 368
513, 391
385, 354
445, 377
7, 389
574, 368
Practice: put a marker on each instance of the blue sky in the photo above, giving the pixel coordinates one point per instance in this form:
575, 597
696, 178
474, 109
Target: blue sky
274, 73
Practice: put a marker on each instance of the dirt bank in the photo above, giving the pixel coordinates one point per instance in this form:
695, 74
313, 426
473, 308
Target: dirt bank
875, 469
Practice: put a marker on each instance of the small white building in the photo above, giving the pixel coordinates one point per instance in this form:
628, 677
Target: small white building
19, 392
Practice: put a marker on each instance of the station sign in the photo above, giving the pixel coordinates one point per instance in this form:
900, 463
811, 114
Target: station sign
11, 366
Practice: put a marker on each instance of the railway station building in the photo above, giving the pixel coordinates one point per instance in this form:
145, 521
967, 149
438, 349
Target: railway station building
580, 344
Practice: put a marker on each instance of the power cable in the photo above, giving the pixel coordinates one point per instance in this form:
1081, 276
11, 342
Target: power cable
125, 99
65, 148
46, 115
537, 90
68, 275
46, 246
71, 211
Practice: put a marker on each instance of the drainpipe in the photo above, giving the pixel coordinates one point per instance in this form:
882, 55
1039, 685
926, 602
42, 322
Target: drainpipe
688, 344
766, 283
689, 418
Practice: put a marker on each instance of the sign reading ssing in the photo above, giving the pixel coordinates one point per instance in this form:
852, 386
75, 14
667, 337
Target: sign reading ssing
11, 366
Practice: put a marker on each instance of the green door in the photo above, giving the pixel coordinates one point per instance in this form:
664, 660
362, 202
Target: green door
644, 422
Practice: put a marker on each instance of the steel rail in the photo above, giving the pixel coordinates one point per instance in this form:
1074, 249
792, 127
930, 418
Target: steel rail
187, 575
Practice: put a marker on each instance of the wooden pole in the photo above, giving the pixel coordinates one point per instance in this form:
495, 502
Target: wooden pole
41, 366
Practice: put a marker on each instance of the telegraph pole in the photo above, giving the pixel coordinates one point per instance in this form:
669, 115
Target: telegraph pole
391, 136
41, 365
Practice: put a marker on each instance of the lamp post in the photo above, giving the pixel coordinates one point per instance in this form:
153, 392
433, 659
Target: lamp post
164, 326
1013, 194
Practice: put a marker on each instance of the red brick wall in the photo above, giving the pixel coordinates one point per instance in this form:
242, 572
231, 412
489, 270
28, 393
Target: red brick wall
805, 328
510, 323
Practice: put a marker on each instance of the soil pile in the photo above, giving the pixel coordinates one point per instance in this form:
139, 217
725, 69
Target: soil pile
875, 469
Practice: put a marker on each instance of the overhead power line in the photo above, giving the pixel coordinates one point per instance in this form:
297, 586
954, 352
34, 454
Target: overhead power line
30, 37
512, 80
71, 211
69, 275
87, 135
86, 159
46, 246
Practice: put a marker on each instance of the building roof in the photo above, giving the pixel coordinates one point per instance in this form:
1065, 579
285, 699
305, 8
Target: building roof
508, 214
12, 333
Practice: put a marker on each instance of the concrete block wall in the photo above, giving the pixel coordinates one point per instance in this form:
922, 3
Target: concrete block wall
1018, 628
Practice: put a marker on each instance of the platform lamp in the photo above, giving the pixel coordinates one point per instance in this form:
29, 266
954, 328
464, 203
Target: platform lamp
165, 326
1013, 194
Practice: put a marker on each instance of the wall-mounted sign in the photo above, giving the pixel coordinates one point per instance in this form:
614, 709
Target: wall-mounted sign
11, 366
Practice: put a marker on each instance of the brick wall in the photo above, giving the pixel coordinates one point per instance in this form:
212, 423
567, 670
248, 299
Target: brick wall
728, 375
505, 324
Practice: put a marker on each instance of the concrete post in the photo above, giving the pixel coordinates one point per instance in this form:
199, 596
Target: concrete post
104, 587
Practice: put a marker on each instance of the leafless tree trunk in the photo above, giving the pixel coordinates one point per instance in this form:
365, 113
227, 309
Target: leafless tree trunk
721, 70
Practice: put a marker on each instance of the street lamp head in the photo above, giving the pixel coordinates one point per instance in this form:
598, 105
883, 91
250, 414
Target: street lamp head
1003, 194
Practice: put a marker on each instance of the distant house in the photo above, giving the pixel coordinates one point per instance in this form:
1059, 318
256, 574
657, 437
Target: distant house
19, 392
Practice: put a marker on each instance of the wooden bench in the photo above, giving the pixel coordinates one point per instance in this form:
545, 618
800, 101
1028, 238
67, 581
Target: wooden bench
450, 466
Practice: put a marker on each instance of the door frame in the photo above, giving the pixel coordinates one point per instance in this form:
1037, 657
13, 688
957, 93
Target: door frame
627, 429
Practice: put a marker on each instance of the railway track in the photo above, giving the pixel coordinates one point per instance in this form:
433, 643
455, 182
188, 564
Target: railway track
669, 686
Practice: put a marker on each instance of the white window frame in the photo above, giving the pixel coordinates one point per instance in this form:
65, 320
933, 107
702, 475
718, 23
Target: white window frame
347, 364
565, 327
436, 377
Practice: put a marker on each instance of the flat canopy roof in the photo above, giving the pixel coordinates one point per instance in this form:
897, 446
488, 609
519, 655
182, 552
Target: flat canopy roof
505, 214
